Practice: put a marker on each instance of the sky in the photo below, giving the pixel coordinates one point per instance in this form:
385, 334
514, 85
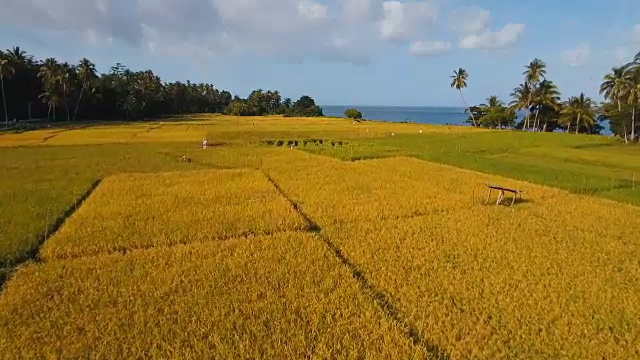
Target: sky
355, 52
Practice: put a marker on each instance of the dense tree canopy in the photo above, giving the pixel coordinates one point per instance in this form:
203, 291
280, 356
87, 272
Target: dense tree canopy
51, 90
493, 114
353, 113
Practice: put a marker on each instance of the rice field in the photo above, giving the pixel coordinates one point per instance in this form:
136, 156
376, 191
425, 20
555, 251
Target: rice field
274, 297
137, 211
112, 247
554, 277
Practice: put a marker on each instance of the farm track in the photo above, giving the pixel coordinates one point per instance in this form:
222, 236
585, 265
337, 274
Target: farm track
60, 220
379, 297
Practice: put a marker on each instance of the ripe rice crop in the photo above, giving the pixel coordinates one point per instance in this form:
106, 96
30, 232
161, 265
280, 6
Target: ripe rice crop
555, 276
96, 135
132, 211
27, 138
277, 297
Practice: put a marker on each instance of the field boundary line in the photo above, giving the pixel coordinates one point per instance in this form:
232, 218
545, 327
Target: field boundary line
54, 134
51, 230
143, 249
379, 297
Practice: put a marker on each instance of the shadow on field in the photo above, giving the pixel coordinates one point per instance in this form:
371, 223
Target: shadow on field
382, 300
7, 268
507, 202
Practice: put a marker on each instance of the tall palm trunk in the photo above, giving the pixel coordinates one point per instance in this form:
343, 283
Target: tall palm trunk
48, 113
578, 123
633, 124
528, 122
75, 112
535, 121
4, 104
468, 109
626, 140
66, 103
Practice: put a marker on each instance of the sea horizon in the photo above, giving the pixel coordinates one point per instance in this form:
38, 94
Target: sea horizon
400, 113
433, 115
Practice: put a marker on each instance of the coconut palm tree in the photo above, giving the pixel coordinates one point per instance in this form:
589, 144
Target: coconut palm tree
86, 74
6, 70
493, 102
579, 109
18, 56
520, 96
632, 93
614, 85
51, 99
49, 72
459, 82
64, 78
545, 97
535, 71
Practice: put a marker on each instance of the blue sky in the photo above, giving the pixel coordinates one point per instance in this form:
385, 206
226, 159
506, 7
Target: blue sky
365, 52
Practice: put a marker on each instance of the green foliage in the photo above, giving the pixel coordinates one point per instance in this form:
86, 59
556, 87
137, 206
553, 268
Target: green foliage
60, 91
493, 115
352, 113
304, 107
579, 110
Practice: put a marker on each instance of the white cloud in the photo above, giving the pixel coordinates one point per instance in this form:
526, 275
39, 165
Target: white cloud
104, 18
492, 40
469, 20
337, 30
402, 20
429, 47
354, 11
578, 56
310, 11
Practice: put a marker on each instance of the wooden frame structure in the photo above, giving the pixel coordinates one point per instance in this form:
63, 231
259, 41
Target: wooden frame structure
517, 194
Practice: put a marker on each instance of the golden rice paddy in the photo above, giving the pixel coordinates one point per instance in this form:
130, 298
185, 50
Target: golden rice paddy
133, 211
252, 251
275, 297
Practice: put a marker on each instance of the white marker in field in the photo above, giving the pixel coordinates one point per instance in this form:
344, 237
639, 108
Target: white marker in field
204, 143
393, 134
420, 131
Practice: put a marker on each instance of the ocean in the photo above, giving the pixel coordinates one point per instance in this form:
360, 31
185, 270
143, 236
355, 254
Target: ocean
437, 115
422, 114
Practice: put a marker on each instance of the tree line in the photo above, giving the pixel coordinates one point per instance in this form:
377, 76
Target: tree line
59, 91
540, 99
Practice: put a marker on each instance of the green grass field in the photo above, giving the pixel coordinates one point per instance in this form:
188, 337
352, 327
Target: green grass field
367, 245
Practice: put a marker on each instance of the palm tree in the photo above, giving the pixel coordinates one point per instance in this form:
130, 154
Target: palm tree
49, 72
64, 72
520, 95
493, 102
18, 56
579, 109
459, 82
632, 92
86, 74
535, 71
547, 96
614, 85
5, 70
51, 98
